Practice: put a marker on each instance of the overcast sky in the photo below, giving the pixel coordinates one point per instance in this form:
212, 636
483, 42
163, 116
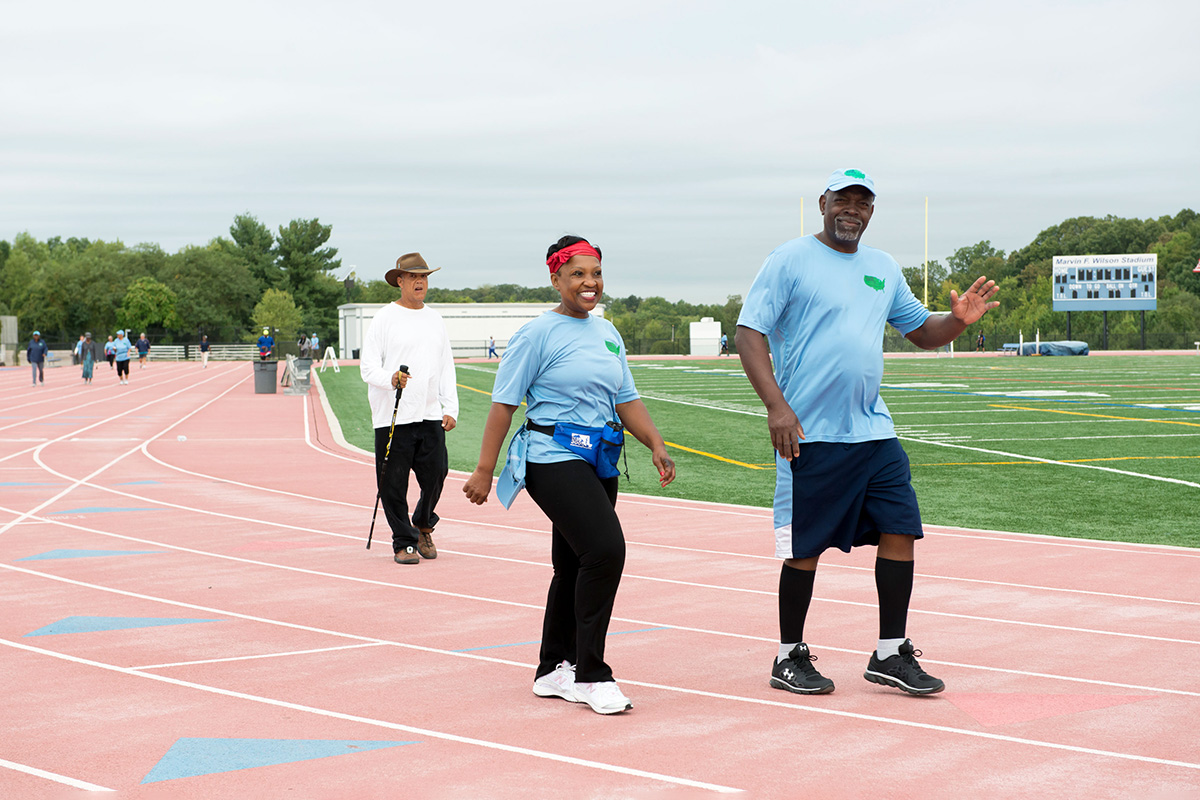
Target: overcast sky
679, 136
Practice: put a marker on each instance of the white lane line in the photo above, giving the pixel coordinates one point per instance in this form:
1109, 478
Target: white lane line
666, 688
259, 656
531, 606
1013, 537
626, 576
53, 776
925, 726
41, 402
379, 723
83, 481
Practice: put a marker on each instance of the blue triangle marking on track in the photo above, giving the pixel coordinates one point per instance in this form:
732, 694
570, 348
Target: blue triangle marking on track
97, 510
96, 624
49, 554
190, 757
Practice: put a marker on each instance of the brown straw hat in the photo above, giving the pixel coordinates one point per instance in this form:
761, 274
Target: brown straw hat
409, 262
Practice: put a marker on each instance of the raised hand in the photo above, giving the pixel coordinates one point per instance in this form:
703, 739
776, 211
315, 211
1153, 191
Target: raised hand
974, 302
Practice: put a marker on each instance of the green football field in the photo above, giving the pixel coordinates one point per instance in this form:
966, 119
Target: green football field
1104, 447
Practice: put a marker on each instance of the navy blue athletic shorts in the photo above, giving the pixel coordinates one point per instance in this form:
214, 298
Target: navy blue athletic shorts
845, 495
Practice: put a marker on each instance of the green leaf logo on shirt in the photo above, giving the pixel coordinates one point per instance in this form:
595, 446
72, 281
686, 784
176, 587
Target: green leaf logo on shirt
873, 282
612, 346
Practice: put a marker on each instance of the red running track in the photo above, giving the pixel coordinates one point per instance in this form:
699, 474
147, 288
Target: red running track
199, 618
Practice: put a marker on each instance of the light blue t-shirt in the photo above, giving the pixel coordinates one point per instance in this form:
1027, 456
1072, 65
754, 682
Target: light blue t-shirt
566, 370
823, 313
121, 348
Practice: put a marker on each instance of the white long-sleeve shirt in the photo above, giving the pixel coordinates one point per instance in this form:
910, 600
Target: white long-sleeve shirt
416, 338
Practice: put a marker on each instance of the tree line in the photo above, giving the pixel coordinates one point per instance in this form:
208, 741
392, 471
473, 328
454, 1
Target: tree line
1025, 277
654, 325
233, 286
228, 289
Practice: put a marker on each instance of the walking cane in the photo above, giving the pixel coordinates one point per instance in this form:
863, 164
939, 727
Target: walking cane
387, 452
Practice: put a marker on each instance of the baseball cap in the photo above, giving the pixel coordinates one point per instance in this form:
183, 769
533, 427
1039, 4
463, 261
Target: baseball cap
37, 333
842, 178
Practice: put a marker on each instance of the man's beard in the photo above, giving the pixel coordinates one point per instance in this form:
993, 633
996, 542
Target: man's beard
844, 232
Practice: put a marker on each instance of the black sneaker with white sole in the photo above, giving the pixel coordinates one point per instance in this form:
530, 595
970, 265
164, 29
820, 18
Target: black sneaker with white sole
797, 674
903, 672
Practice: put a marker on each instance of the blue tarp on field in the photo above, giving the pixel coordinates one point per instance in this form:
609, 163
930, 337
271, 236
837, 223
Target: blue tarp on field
1055, 349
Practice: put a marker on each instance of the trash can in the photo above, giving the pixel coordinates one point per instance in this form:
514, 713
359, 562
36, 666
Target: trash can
265, 376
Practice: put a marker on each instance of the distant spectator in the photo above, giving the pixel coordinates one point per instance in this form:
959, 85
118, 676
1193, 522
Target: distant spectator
724, 345
204, 352
89, 353
979, 342
77, 353
143, 349
266, 343
305, 345
121, 348
316, 346
36, 355
492, 347
110, 352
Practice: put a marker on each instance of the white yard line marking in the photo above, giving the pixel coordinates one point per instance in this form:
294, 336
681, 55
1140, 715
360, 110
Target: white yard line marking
1053, 462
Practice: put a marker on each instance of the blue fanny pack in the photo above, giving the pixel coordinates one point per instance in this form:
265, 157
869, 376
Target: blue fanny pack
601, 447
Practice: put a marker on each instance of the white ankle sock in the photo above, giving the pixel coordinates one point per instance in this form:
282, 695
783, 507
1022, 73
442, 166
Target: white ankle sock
784, 650
888, 648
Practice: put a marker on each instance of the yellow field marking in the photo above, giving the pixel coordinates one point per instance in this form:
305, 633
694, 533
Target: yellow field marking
1050, 463
1101, 416
472, 388
670, 444
712, 455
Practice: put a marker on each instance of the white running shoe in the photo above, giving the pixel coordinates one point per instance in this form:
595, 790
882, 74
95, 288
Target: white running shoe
560, 683
603, 697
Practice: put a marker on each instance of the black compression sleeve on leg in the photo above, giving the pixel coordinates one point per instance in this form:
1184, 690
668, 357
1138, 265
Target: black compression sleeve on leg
894, 583
795, 594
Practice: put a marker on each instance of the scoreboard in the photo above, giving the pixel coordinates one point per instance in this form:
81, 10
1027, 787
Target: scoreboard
1125, 282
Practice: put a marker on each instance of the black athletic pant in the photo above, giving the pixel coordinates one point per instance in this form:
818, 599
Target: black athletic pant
123, 369
420, 448
588, 553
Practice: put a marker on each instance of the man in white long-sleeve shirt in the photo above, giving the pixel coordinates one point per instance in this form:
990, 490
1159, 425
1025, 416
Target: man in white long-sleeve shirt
407, 332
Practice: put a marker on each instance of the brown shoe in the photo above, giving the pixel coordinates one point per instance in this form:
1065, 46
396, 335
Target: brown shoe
407, 556
425, 544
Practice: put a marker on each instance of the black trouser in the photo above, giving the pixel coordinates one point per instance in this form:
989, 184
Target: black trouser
419, 447
123, 369
588, 553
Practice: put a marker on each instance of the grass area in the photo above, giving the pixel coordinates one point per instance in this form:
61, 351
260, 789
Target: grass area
1122, 434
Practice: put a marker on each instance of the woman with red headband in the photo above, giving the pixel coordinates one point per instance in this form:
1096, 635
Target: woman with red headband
569, 367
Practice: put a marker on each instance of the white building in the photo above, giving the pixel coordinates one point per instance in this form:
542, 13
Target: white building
705, 337
469, 325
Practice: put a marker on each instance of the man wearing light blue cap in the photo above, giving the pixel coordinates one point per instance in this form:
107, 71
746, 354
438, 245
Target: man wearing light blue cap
36, 355
843, 480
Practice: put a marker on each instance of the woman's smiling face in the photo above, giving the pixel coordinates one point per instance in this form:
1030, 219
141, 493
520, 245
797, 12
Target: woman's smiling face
580, 284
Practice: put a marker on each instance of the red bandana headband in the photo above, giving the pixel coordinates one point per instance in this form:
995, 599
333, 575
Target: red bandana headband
555, 261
